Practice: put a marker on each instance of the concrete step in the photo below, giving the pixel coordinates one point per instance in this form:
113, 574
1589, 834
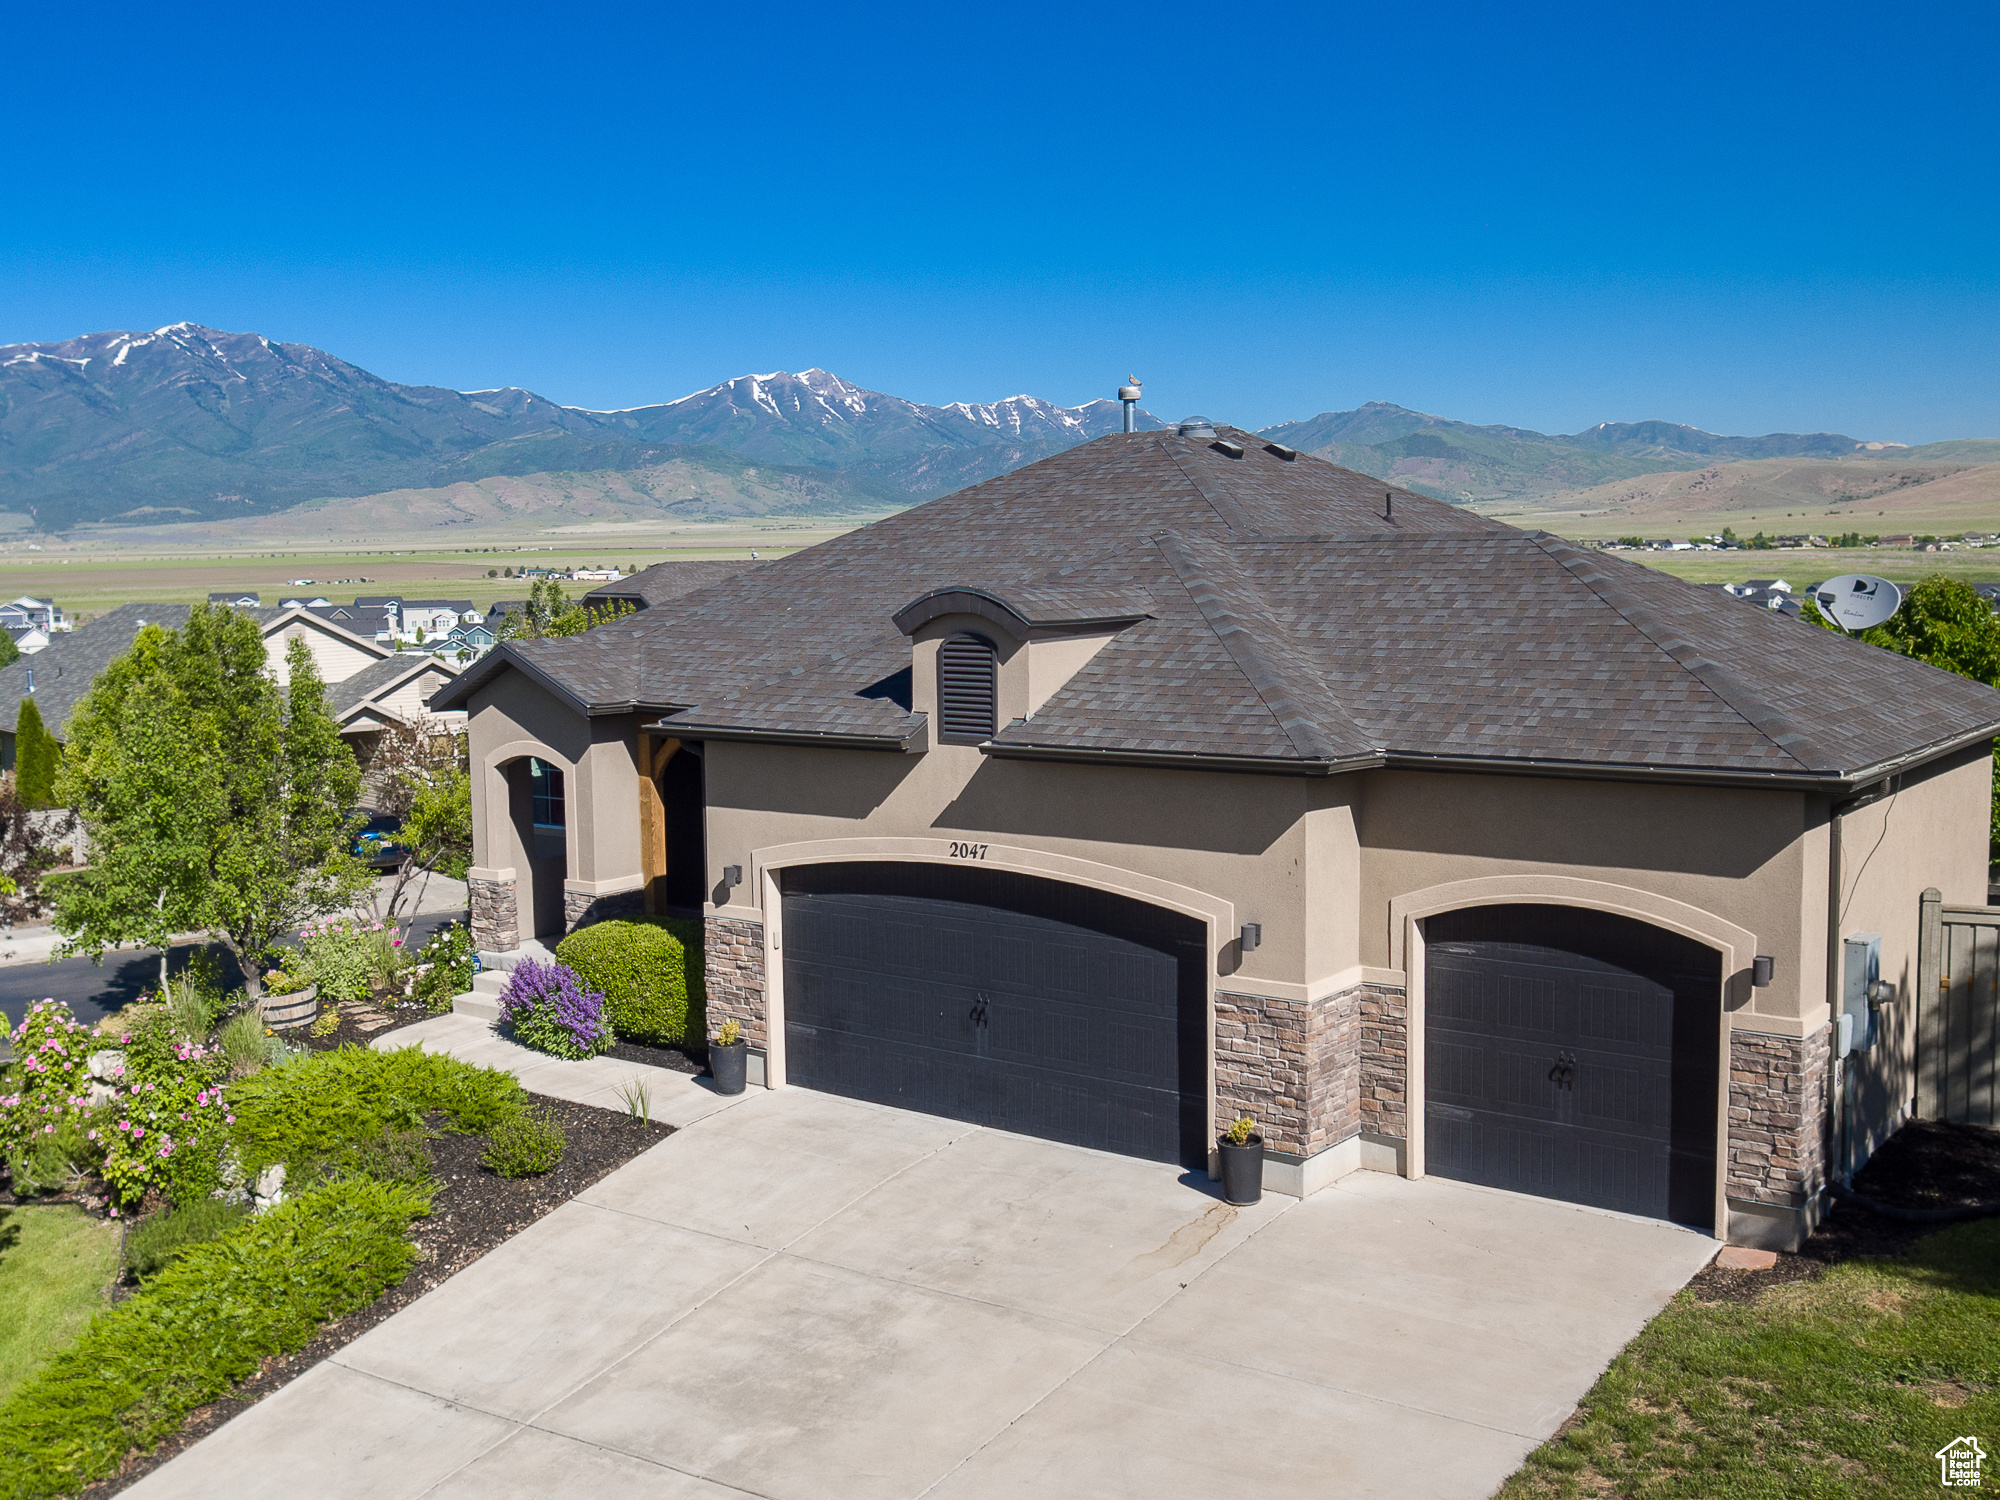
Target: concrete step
533, 948
471, 1003
490, 981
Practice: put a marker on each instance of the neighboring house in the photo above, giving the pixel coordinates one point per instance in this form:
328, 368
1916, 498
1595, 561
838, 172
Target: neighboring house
43, 613
1764, 598
665, 581
61, 674
391, 691
372, 622
418, 620
236, 601
595, 575
1180, 776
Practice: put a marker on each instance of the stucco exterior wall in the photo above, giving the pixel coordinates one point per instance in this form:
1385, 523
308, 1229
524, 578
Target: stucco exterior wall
1741, 855
1931, 831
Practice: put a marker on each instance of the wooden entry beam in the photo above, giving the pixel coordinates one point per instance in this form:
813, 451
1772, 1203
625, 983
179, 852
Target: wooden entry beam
653, 757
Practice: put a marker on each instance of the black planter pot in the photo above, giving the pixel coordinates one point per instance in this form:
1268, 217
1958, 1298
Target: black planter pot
1242, 1170
727, 1064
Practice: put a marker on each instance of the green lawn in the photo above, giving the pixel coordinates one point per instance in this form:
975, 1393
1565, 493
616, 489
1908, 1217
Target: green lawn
55, 1264
1843, 1386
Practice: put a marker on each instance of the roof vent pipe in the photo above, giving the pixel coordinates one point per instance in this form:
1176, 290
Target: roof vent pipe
1197, 427
1129, 394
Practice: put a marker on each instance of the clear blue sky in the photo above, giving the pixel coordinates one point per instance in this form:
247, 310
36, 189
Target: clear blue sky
1748, 217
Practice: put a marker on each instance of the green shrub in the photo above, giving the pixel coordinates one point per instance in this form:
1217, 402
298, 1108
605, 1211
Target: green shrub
392, 1156
46, 1086
524, 1144
199, 1326
650, 972
246, 1043
54, 1161
444, 968
308, 1107
153, 1243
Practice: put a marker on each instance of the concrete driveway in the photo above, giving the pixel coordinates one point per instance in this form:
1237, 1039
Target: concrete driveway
800, 1296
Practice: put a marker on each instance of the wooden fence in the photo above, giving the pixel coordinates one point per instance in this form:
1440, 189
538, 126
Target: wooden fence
1958, 1013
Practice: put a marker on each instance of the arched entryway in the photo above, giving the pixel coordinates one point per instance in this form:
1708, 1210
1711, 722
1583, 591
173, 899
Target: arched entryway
538, 808
1572, 1054
1000, 998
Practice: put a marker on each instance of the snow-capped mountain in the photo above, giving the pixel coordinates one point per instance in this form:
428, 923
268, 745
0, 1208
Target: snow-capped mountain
817, 418
187, 422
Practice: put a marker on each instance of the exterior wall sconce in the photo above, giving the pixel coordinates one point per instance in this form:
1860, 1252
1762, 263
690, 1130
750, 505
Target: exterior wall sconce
1761, 968
732, 875
1251, 936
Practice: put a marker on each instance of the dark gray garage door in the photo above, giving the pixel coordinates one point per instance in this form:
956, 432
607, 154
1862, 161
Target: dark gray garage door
1572, 1054
1000, 999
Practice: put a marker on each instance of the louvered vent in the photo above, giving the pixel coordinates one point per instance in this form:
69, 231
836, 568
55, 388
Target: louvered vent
966, 684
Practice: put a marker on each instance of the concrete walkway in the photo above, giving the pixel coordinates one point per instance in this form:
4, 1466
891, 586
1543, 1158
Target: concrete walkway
675, 1098
801, 1296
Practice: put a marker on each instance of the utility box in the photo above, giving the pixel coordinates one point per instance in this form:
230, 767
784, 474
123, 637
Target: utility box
1860, 968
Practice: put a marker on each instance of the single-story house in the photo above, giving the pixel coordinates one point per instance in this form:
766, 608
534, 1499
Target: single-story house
1183, 776
367, 683
237, 600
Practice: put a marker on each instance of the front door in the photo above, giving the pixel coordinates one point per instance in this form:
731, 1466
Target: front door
1572, 1054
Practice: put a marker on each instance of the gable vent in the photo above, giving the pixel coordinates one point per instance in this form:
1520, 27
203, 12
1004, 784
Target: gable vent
966, 688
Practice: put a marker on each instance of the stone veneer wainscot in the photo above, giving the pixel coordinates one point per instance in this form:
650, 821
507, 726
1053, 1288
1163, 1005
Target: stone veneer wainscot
734, 975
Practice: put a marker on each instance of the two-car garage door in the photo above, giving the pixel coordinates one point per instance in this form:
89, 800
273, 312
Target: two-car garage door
1001, 999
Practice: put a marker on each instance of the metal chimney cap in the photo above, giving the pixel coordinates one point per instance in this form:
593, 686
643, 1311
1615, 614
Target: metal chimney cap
1129, 392
1196, 427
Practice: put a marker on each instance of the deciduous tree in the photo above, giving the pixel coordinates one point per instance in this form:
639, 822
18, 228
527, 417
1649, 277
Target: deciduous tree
213, 798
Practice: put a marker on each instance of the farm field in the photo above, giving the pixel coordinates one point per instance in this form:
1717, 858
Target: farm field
89, 578
1803, 565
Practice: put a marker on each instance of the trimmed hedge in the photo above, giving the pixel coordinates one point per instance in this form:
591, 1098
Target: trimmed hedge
650, 972
313, 1107
204, 1323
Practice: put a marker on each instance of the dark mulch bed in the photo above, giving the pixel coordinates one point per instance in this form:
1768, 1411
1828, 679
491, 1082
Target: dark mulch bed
473, 1212
1927, 1164
694, 1062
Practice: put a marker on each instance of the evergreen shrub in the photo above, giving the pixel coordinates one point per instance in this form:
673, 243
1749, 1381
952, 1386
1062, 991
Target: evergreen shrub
200, 1325
36, 756
308, 1108
524, 1144
650, 972
155, 1243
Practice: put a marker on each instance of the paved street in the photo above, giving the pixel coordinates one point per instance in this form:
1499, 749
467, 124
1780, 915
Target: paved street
94, 990
803, 1297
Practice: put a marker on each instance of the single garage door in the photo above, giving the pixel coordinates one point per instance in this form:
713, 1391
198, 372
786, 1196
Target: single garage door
1001, 999
1572, 1054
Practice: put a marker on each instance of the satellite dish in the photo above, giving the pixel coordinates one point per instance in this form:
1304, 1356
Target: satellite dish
1857, 601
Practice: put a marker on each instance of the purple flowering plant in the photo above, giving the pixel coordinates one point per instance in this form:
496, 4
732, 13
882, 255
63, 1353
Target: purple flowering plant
548, 1007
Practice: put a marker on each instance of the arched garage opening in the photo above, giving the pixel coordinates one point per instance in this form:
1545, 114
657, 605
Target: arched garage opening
538, 809
1001, 999
1572, 1054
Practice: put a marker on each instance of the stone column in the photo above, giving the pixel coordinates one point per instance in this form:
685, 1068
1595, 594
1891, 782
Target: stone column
734, 975
1778, 1147
496, 911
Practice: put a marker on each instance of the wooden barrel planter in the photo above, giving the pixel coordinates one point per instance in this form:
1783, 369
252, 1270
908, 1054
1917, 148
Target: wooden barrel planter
289, 1012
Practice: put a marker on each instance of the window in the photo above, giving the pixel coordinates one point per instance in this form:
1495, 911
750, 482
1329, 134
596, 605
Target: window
547, 784
966, 689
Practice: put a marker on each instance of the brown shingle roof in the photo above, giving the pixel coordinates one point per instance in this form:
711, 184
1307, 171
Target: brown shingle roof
1296, 621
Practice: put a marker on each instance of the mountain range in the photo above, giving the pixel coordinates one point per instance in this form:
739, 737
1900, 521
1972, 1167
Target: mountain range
188, 423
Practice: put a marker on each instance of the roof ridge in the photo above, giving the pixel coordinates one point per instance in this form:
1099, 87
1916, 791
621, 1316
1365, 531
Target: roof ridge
1751, 706
1258, 662
1225, 505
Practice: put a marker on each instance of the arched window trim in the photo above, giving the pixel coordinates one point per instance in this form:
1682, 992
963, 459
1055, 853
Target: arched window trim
968, 689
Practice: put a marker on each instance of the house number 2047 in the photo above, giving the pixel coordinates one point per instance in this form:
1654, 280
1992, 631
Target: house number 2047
968, 851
